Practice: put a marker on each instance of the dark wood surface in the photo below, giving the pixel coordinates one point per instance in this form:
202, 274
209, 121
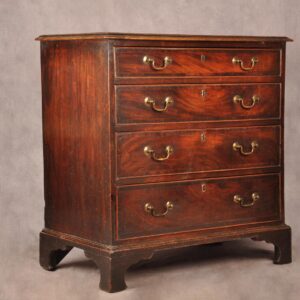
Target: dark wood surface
197, 204
96, 125
163, 37
113, 263
188, 62
193, 154
205, 102
76, 152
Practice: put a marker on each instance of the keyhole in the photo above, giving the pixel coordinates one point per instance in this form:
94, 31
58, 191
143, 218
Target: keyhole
203, 57
203, 187
203, 137
203, 93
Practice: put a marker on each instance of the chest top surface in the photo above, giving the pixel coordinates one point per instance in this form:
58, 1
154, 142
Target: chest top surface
166, 37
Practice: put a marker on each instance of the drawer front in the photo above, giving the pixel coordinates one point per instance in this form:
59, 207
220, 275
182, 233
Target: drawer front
164, 208
167, 152
169, 103
155, 62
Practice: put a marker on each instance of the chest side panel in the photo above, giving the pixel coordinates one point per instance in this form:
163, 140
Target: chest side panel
76, 135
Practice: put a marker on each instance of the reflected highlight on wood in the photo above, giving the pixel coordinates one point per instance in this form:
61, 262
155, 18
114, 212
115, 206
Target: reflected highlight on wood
160, 142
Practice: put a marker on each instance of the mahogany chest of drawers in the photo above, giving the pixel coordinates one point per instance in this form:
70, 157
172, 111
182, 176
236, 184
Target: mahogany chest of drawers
155, 142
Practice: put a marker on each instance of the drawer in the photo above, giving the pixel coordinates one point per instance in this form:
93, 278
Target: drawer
164, 208
155, 62
167, 152
205, 102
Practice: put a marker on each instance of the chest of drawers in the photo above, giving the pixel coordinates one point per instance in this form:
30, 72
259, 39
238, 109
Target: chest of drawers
156, 142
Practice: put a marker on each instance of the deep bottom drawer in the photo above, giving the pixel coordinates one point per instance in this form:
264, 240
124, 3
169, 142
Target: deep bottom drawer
145, 210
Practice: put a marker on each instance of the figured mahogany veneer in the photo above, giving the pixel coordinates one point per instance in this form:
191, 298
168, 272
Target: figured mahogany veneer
197, 151
195, 62
156, 142
197, 102
192, 205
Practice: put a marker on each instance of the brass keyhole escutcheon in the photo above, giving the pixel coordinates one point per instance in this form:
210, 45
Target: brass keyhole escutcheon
203, 137
203, 93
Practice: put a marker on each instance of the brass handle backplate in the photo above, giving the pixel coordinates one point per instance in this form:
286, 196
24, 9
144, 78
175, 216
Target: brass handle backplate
240, 62
151, 102
148, 151
238, 147
241, 201
239, 99
151, 61
150, 209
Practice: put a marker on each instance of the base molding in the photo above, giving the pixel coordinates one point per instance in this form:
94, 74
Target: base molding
114, 260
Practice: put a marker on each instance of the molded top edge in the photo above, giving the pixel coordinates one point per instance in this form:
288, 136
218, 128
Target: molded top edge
160, 37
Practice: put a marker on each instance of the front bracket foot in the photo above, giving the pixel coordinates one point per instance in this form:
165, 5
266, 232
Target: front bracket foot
52, 251
282, 241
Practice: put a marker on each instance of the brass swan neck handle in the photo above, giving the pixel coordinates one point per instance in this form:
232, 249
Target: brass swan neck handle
151, 102
151, 210
148, 151
241, 201
236, 146
238, 99
151, 61
240, 62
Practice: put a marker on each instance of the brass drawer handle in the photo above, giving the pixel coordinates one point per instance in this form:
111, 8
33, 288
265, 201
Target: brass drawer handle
239, 99
238, 147
150, 209
150, 152
239, 61
150, 102
241, 201
151, 61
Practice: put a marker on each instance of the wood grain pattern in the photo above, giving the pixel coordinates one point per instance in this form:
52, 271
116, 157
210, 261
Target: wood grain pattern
191, 154
159, 80
205, 102
194, 208
188, 62
77, 180
162, 37
96, 125
125, 255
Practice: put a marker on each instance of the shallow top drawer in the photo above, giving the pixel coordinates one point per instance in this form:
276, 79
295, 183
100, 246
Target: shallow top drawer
137, 62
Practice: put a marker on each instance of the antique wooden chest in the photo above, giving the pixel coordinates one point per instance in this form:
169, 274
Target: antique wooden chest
156, 142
